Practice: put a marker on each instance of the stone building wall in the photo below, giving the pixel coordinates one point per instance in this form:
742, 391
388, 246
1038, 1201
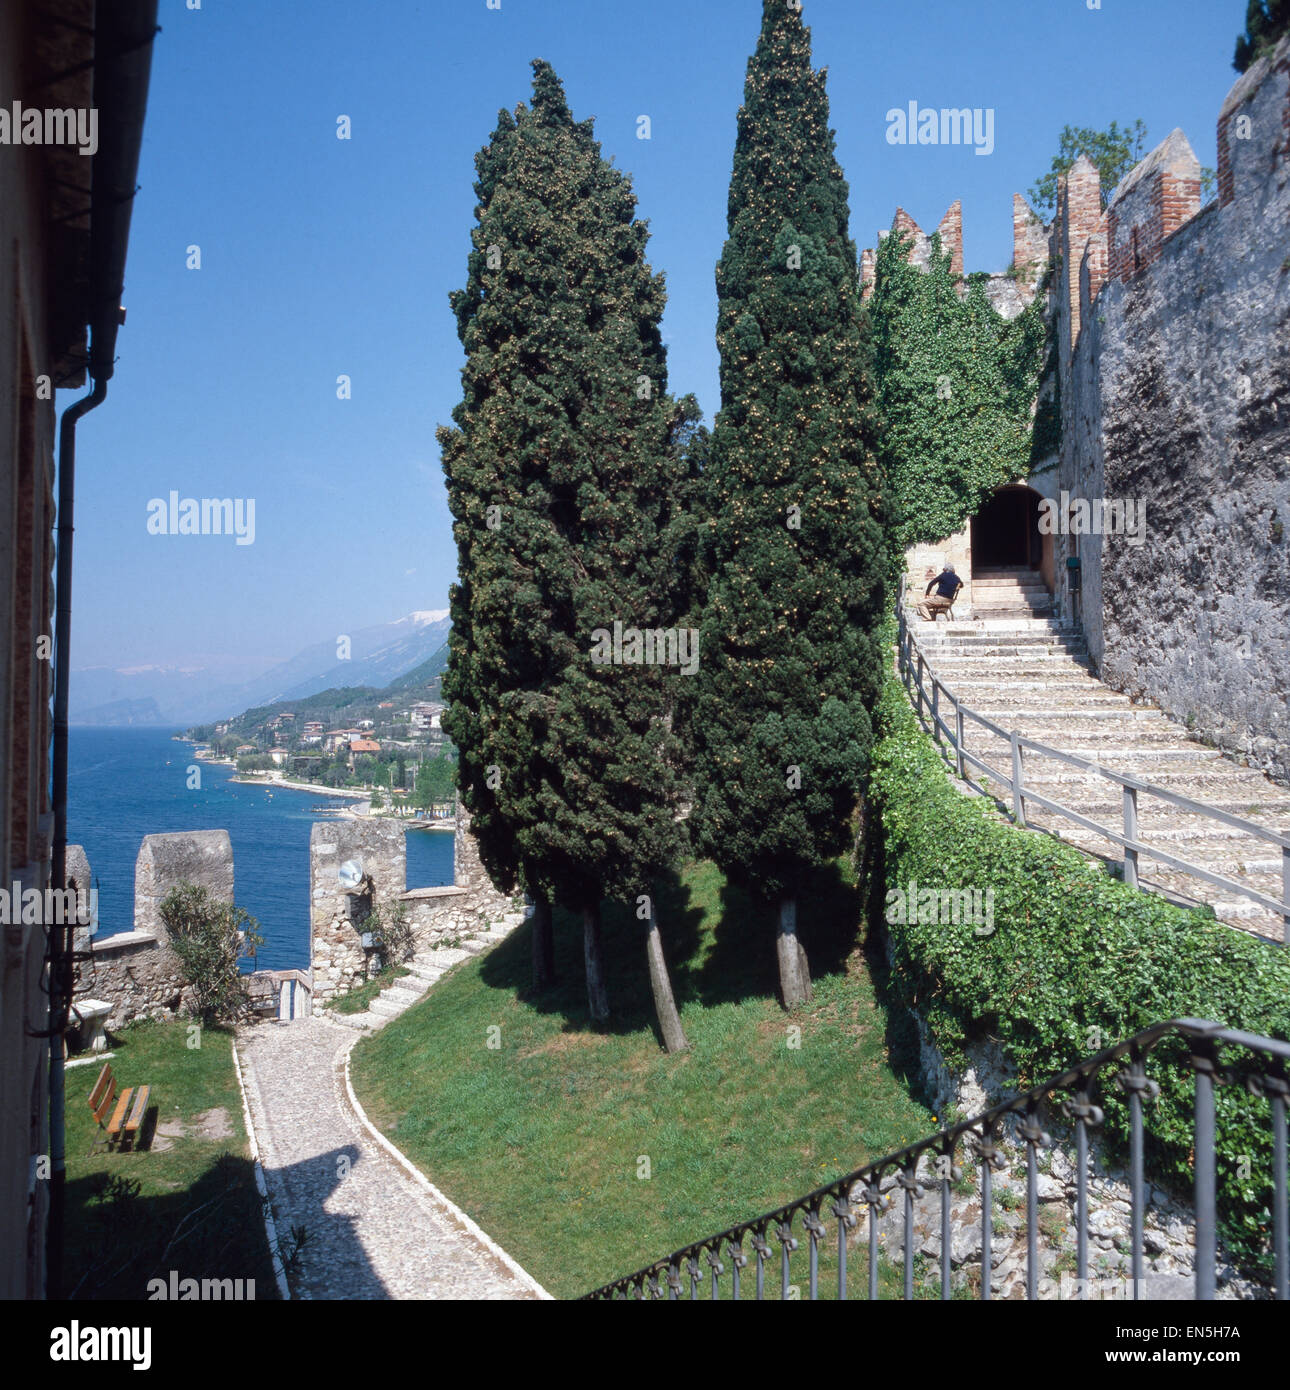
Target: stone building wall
1176, 394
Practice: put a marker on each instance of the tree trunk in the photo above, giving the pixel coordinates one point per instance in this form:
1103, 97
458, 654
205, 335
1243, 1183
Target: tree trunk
794, 969
669, 1020
593, 954
543, 943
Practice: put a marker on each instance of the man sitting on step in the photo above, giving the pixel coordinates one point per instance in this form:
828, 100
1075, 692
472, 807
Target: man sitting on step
947, 585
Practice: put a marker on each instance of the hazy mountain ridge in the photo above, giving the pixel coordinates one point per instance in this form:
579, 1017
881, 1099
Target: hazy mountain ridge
378, 655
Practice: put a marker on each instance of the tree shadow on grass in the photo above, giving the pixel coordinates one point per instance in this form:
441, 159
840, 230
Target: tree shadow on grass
735, 963
509, 966
119, 1239
742, 963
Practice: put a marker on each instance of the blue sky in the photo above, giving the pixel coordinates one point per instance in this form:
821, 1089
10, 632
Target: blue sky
323, 257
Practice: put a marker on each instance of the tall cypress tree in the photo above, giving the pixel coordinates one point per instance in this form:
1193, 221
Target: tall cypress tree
562, 477
791, 655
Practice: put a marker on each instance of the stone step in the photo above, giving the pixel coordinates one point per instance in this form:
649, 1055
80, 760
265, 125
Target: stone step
1099, 740
1012, 664
1155, 818
1242, 857
360, 1022
407, 991
473, 946
1140, 761
391, 1003
1021, 718
422, 970
448, 956
1024, 627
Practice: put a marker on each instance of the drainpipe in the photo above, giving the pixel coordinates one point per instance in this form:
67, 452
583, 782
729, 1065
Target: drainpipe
123, 37
61, 944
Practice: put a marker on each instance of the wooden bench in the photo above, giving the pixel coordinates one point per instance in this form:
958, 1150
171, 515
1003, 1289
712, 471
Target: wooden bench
125, 1118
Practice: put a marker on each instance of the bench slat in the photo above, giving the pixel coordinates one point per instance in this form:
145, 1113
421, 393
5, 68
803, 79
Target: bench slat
139, 1110
105, 1105
104, 1083
118, 1117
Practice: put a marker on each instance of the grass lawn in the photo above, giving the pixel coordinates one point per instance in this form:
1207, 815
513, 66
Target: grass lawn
185, 1203
588, 1154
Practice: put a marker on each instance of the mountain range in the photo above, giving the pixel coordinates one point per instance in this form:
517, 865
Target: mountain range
167, 696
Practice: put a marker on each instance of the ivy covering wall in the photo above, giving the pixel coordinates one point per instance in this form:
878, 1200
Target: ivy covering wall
956, 387
1077, 960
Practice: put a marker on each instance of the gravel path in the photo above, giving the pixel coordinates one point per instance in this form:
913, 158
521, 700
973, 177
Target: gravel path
373, 1231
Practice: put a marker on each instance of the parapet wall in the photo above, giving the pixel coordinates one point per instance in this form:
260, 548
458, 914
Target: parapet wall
136, 972
434, 914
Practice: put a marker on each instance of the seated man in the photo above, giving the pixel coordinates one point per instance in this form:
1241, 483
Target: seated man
947, 585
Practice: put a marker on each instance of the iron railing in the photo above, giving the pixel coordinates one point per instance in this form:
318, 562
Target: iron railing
1261, 1067
917, 675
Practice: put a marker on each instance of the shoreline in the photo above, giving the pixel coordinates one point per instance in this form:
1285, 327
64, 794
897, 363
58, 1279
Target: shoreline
355, 796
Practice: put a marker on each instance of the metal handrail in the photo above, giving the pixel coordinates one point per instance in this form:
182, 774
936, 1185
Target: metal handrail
981, 1135
914, 672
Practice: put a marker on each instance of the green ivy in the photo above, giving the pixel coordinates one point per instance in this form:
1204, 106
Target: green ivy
956, 388
1075, 956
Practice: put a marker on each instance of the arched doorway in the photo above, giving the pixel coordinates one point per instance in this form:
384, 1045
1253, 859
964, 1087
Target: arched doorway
1005, 533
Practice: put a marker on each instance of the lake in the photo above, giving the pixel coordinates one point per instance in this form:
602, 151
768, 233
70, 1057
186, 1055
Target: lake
124, 784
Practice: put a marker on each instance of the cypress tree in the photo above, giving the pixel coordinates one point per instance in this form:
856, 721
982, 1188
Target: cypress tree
562, 476
791, 656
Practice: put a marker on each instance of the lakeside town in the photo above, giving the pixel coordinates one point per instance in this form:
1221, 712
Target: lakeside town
395, 763
383, 750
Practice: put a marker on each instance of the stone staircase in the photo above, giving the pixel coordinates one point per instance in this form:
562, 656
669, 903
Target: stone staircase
1008, 593
1034, 676
425, 969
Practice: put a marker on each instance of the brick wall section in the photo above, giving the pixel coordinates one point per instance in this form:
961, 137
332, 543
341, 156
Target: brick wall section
1161, 195
868, 273
1079, 219
1029, 237
951, 234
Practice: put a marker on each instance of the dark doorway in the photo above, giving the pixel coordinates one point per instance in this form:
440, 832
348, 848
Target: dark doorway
1005, 532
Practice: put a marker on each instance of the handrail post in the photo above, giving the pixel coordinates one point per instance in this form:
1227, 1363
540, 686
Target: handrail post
1018, 799
1285, 895
936, 709
959, 734
1131, 833
922, 666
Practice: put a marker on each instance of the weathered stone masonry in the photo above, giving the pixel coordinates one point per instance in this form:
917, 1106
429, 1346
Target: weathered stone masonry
1178, 396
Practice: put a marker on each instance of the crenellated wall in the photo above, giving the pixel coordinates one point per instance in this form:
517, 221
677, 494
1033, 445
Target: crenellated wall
1176, 395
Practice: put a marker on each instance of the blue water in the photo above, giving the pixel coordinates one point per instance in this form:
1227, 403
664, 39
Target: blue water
124, 784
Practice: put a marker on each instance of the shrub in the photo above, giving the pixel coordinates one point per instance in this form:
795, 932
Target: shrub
210, 938
391, 933
1076, 962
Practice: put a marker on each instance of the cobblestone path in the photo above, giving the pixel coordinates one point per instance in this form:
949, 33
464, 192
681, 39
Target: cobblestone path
372, 1230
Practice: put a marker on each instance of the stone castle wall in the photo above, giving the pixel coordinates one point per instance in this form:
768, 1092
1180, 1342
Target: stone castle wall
136, 972
434, 914
1176, 394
